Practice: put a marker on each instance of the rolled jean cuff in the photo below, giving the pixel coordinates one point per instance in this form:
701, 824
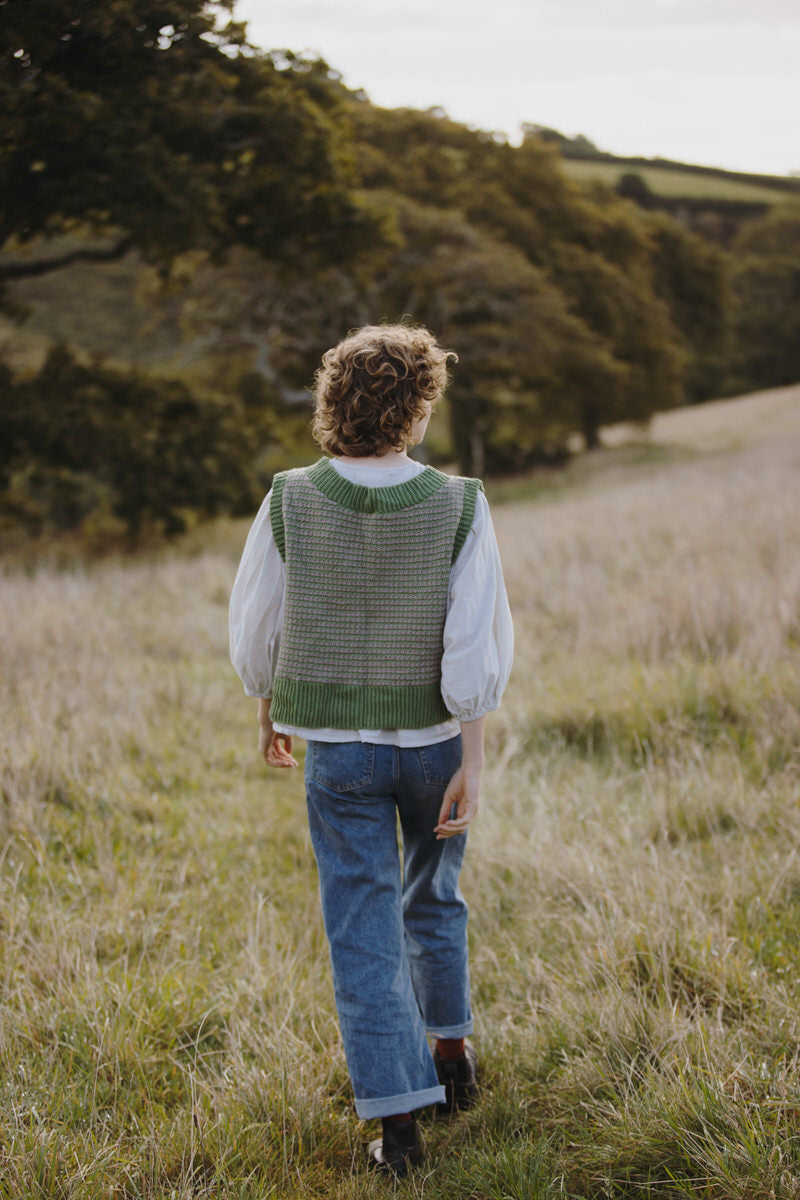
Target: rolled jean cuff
451, 1031
388, 1106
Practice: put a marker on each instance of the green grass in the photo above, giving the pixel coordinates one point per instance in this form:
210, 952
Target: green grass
167, 1026
676, 183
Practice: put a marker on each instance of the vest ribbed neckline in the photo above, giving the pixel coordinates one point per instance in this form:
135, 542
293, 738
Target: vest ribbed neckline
359, 498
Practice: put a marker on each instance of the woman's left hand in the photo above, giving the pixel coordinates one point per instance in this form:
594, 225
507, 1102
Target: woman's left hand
462, 791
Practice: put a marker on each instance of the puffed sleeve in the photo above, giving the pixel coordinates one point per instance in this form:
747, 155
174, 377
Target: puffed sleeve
256, 608
478, 633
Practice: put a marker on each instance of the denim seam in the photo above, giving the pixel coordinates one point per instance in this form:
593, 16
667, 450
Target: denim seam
387, 1106
451, 1031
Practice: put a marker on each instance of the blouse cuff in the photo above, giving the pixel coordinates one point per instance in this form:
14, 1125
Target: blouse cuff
475, 714
255, 694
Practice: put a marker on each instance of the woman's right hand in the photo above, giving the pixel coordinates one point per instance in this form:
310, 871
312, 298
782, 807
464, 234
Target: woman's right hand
274, 748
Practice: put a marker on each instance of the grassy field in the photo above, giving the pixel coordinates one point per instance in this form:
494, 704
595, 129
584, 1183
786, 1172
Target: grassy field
166, 1018
675, 183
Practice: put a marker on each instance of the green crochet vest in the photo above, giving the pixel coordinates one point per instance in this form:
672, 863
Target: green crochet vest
367, 577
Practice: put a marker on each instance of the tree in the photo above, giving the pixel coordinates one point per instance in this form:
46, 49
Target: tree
595, 248
148, 125
632, 186
549, 294
512, 402
766, 290
146, 450
691, 276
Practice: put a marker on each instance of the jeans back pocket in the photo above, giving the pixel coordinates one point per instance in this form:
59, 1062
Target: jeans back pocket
441, 761
340, 766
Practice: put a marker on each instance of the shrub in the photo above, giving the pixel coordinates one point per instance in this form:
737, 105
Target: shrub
82, 441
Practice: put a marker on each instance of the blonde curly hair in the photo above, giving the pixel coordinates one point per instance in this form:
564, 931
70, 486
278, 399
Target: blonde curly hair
374, 386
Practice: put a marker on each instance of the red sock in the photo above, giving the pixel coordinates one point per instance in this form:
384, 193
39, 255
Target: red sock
398, 1119
450, 1048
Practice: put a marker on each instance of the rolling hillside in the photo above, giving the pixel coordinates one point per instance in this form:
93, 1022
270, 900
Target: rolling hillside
684, 181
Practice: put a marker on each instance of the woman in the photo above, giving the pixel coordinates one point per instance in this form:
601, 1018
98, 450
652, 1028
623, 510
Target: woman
369, 616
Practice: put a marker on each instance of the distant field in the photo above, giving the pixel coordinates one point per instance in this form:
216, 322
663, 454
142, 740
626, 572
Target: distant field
678, 183
719, 424
718, 427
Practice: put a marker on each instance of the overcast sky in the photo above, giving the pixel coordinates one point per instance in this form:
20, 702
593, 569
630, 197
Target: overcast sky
707, 81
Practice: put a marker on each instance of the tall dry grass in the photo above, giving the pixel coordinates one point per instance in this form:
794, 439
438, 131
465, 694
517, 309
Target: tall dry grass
166, 1018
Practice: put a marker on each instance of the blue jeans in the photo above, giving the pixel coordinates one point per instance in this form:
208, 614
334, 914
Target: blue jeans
398, 942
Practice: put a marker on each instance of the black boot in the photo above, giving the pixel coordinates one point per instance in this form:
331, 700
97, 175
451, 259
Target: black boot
398, 1149
459, 1077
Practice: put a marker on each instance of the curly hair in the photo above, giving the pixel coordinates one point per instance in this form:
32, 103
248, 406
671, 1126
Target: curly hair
374, 386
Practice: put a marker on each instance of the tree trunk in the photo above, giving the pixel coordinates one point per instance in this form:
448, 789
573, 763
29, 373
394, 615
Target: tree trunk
477, 454
590, 428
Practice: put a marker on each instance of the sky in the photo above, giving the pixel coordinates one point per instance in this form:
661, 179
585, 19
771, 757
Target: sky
715, 82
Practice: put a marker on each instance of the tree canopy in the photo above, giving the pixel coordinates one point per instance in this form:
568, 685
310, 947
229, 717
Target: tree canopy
148, 123
766, 291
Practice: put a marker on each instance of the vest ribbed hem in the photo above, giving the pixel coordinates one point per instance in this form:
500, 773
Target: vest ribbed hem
359, 498
356, 706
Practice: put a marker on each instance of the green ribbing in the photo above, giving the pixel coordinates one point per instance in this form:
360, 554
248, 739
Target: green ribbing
351, 706
359, 498
471, 487
276, 512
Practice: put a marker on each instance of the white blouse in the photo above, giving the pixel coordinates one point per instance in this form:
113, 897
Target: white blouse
478, 634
